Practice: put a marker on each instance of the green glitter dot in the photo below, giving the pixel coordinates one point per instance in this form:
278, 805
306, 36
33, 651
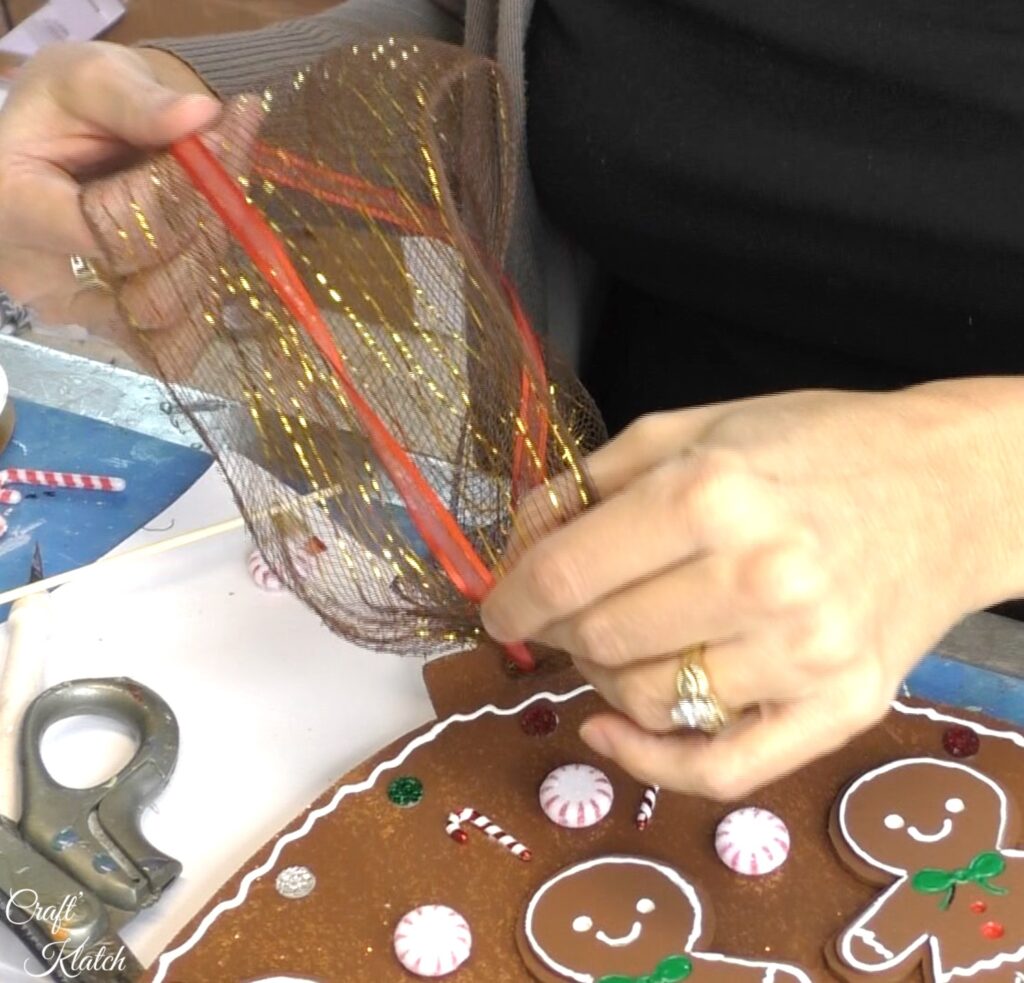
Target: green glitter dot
405, 791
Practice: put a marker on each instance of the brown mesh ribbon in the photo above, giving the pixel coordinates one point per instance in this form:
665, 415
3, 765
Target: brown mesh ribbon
331, 260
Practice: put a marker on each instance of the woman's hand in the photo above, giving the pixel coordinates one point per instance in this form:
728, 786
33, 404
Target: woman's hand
818, 542
78, 111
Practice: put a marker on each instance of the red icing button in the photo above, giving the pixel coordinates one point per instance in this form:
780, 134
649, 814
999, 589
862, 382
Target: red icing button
960, 741
979, 907
992, 930
538, 721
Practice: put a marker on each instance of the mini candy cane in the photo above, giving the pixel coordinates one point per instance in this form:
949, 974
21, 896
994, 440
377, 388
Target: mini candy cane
61, 479
646, 811
488, 827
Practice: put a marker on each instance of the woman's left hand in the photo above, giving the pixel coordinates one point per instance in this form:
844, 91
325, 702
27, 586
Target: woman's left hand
818, 543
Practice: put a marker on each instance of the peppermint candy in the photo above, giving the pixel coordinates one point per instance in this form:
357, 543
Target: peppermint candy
433, 940
576, 796
262, 576
752, 841
302, 559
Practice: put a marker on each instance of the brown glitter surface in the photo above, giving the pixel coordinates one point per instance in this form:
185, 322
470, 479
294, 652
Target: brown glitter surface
374, 862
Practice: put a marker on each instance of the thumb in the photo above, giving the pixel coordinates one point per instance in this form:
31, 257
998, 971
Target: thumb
119, 95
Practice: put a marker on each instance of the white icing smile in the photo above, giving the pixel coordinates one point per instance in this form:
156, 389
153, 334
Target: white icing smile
946, 829
634, 934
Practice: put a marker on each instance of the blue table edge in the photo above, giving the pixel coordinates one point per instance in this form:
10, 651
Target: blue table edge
943, 680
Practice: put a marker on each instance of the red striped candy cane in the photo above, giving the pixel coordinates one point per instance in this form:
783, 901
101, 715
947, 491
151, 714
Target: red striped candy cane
8, 496
646, 811
61, 479
488, 828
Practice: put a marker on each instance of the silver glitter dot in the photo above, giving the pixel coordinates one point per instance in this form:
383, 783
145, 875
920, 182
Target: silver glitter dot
295, 882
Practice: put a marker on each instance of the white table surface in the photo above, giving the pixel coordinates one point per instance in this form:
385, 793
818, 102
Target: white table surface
272, 707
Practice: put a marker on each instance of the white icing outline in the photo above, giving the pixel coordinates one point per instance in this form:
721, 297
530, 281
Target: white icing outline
856, 930
870, 939
944, 830
343, 792
168, 957
685, 887
283, 979
771, 969
628, 939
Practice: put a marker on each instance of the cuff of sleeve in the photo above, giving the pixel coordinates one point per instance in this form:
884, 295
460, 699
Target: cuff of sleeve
247, 61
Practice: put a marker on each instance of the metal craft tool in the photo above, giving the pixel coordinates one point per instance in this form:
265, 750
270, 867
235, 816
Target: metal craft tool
21, 679
76, 867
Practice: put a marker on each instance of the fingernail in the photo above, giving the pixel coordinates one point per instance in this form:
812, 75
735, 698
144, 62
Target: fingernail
169, 99
595, 738
200, 101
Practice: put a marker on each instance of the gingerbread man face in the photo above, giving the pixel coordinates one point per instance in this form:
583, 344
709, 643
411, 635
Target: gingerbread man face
906, 815
615, 915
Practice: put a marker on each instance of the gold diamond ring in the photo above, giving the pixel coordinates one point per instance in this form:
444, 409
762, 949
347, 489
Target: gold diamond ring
697, 706
85, 274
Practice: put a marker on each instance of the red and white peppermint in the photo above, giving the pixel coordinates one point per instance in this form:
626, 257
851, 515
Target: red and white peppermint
752, 841
302, 564
433, 940
262, 576
576, 796
61, 479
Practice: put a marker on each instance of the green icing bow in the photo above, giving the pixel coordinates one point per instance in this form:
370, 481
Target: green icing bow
980, 871
674, 969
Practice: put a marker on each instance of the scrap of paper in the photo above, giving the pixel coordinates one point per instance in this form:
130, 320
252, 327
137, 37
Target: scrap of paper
61, 20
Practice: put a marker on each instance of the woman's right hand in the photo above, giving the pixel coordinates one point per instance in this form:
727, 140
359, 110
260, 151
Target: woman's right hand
77, 112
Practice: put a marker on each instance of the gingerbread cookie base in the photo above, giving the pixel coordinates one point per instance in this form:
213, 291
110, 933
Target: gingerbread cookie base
322, 902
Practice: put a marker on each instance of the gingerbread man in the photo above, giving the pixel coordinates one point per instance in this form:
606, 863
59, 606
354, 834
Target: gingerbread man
955, 905
621, 919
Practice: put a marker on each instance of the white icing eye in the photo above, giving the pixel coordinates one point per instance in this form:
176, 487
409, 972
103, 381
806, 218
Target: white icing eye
582, 923
954, 805
894, 821
645, 906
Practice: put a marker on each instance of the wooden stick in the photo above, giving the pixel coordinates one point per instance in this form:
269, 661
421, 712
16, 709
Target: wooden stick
149, 549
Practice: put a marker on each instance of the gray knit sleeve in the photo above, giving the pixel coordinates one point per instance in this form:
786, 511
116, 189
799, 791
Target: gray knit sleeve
246, 61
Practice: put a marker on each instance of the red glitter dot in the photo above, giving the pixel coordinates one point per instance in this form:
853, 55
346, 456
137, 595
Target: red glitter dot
979, 907
992, 930
960, 741
538, 721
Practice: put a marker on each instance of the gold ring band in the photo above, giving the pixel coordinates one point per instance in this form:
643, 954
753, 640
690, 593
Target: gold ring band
85, 274
697, 706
